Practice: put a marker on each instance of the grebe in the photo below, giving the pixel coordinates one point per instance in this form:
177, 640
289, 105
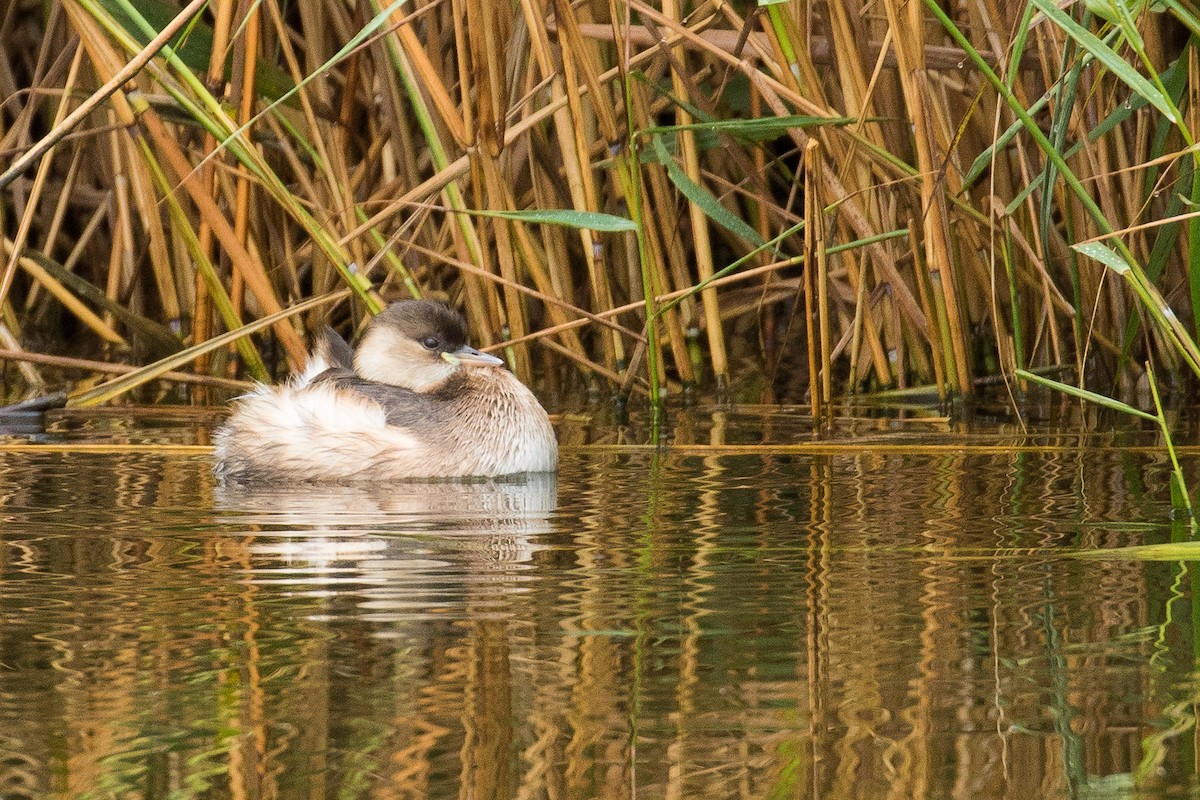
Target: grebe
413, 401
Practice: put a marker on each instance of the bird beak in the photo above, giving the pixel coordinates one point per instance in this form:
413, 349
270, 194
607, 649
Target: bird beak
472, 358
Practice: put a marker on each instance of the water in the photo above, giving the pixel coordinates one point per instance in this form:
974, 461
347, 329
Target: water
902, 615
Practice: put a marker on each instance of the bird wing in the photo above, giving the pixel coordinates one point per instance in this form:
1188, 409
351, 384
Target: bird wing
403, 407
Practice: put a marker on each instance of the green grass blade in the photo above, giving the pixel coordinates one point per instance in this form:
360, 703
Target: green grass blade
592, 220
759, 129
1180, 498
703, 198
1184, 15
1168, 551
1104, 255
1151, 299
1172, 76
1083, 394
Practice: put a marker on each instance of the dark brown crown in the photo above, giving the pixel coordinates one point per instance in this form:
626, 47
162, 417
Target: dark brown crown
420, 319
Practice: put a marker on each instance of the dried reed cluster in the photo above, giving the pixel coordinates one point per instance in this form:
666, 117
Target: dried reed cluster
845, 196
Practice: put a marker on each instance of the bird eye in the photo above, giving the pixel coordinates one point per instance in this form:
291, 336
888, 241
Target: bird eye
430, 342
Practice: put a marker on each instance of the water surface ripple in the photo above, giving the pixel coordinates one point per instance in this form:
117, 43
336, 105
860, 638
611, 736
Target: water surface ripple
870, 624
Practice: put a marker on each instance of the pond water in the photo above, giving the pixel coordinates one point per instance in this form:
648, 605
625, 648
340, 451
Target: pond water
898, 613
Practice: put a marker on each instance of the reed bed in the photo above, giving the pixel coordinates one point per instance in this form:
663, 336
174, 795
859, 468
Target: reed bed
787, 200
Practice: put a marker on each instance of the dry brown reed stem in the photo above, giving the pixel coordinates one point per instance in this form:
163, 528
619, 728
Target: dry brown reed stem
202, 304
88, 365
603, 318
702, 249
551, 301
572, 121
816, 224
247, 47
816, 397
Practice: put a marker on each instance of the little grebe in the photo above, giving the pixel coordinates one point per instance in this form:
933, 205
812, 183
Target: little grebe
414, 401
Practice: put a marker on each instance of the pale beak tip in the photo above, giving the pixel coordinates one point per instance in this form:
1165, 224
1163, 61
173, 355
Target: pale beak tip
472, 357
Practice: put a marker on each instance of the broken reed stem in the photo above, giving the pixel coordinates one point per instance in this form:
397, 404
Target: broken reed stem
812, 309
817, 225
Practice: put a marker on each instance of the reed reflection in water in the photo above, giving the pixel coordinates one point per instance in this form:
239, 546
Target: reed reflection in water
908, 624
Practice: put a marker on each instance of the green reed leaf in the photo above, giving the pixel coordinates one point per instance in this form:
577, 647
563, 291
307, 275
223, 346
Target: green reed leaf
1083, 394
592, 220
1167, 551
709, 204
758, 129
194, 46
1104, 255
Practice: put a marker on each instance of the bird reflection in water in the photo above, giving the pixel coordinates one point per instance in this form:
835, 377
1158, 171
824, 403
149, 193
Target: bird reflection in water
402, 550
